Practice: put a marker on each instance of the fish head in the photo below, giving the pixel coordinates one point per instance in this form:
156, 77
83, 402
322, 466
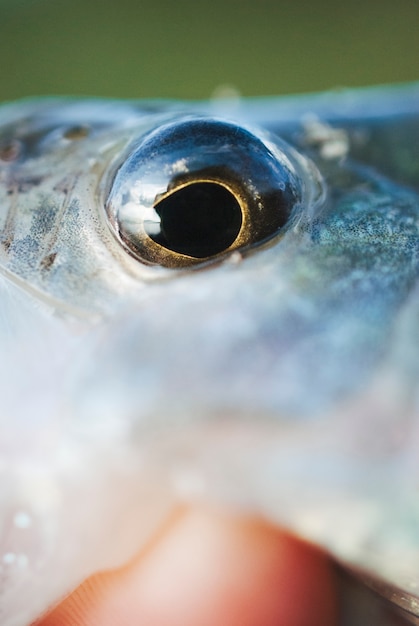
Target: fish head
266, 361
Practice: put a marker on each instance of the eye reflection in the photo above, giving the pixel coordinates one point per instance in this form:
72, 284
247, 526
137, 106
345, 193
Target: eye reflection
199, 188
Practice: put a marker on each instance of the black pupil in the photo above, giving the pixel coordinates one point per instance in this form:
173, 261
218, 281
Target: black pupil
199, 220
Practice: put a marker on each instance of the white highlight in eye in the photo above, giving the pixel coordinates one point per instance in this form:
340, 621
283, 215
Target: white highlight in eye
139, 209
22, 520
137, 214
142, 192
179, 167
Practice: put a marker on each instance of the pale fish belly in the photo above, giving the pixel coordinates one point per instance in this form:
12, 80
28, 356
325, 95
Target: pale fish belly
208, 302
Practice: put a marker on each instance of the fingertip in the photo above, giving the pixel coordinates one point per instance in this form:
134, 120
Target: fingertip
209, 568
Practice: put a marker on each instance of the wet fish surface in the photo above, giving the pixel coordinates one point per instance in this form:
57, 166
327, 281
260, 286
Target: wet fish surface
209, 302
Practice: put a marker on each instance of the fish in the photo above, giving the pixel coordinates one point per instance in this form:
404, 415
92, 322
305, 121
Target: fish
208, 302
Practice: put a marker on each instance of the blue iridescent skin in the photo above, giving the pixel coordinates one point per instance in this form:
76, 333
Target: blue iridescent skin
282, 373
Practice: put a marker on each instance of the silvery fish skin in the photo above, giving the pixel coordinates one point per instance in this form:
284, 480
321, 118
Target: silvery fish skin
280, 379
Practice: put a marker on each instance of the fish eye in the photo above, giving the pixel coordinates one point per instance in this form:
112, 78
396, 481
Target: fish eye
196, 189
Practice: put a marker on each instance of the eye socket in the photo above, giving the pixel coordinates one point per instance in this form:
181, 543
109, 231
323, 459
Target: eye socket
196, 189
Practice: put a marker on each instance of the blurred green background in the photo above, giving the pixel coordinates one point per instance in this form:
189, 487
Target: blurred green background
185, 49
